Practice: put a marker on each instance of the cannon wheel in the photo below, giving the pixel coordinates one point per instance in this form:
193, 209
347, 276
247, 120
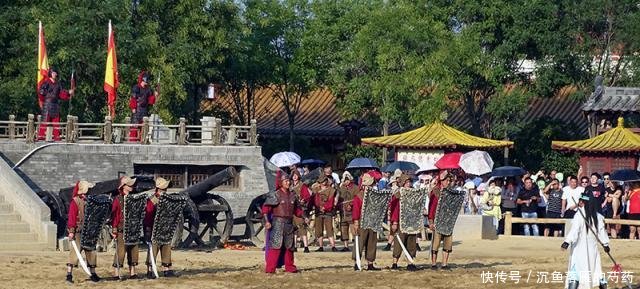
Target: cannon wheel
216, 216
255, 222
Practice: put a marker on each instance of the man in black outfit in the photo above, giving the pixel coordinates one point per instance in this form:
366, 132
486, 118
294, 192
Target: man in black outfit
528, 202
596, 192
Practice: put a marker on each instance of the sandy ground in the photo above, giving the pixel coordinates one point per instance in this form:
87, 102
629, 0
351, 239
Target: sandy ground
243, 269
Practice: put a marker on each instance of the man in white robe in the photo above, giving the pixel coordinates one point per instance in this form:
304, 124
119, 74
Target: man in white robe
587, 231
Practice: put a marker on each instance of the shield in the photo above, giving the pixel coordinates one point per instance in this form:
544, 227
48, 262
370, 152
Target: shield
411, 203
285, 159
167, 217
476, 163
96, 211
449, 205
134, 205
374, 207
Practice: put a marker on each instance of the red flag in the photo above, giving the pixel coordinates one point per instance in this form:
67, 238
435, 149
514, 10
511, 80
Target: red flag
111, 73
43, 63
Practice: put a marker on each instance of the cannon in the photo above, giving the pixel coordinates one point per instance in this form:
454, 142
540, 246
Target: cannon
205, 213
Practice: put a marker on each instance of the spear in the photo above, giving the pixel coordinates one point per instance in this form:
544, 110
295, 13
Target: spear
73, 88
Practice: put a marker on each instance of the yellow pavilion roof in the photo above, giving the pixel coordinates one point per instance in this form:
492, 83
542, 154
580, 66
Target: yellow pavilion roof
618, 139
435, 136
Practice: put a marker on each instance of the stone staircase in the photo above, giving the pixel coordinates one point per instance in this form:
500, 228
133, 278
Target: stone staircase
16, 234
25, 221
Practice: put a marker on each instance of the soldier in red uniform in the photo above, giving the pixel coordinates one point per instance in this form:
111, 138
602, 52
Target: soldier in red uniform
304, 197
324, 203
50, 94
282, 205
142, 96
165, 249
117, 226
74, 227
409, 240
367, 238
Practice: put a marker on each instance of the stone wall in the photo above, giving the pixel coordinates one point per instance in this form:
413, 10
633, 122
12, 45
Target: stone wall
61, 165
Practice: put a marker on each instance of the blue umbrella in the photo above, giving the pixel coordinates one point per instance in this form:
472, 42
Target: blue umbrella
625, 175
312, 162
401, 165
508, 171
362, 163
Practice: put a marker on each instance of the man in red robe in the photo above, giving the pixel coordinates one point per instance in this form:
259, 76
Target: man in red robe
282, 205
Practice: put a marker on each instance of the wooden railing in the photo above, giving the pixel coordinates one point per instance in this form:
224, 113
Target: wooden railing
509, 220
72, 131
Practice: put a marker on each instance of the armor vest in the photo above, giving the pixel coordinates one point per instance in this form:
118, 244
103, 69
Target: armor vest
286, 204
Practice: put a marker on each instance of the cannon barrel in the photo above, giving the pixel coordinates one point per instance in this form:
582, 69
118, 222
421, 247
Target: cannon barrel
198, 191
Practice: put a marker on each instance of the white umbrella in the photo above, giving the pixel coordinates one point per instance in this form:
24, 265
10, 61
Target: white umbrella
285, 159
425, 167
476, 163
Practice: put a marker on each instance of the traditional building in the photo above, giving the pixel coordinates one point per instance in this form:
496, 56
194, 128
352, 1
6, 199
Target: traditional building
606, 104
618, 148
428, 143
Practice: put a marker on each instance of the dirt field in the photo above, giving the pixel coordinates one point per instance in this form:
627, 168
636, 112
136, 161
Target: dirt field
243, 269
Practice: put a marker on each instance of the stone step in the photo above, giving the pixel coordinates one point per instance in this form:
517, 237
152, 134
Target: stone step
6, 208
18, 237
14, 227
23, 246
9, 217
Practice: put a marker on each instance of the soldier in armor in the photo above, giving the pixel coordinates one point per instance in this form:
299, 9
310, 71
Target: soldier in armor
117, 229
347, 191
367, 238
324, 202
444, 208
409, 240
74, 227
149, 217
282, 205
142, 96
50, 94
304, 197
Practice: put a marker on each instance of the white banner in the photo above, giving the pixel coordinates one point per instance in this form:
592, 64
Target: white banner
419, 157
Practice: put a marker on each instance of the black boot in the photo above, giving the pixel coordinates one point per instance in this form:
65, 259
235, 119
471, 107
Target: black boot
602, 286
69, 278
370, 267
306, 249
355, 267
169, 273
573, 285
150, 275
412, 267
394, 266
94, 277
387, 247
321, 249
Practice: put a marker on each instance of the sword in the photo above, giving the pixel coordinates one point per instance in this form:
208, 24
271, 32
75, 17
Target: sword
406, 253
152, 260
117, 262
83, 264
358, 262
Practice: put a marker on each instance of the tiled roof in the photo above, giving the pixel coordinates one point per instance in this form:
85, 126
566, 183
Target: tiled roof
558, 108
435, 136
622, 99
618, 139
317, 117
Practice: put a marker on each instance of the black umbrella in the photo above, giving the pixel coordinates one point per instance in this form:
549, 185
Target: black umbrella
401, 165
508, 171
312, 163
625, 175
362, 163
